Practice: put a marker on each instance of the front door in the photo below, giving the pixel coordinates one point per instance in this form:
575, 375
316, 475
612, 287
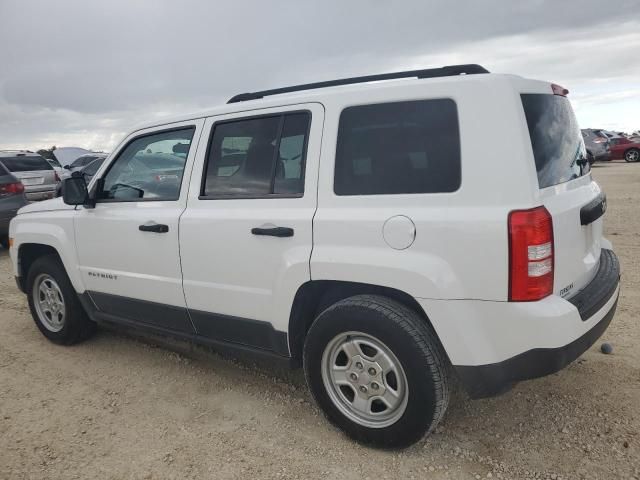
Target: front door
246, 235
127, 245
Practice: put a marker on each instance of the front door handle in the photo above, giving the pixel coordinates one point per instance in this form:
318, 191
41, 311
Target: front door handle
273, 231
154, 227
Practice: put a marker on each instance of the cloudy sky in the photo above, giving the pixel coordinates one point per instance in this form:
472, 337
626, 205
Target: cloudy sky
82, 72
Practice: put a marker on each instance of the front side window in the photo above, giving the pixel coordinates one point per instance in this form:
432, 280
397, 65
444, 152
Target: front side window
257, 157
398, 148
149, 168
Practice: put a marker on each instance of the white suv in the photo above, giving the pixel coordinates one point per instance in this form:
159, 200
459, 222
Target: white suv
370, 229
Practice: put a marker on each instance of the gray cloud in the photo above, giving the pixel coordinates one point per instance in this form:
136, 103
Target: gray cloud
84, 72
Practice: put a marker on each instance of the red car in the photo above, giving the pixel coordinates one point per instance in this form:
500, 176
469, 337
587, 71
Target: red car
624, 148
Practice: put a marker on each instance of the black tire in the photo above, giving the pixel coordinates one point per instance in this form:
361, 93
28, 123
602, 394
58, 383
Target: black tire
4, 242
408, 336
76, 324
630, 153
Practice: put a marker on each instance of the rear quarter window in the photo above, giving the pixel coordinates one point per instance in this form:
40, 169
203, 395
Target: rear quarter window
398, 148
556, 139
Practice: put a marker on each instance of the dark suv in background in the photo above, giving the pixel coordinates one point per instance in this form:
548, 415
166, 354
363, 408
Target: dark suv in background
597, 145
11, 199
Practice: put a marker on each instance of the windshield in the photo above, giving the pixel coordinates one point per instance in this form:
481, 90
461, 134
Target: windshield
26, 163
556, 139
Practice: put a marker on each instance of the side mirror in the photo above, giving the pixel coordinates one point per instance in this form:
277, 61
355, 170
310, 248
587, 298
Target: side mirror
68, 167
74, 191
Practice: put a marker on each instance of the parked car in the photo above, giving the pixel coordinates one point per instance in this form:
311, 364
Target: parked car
39, 178
11, 199
84, 160
59, 169
623, 148
87, 172
597, 145
365, 233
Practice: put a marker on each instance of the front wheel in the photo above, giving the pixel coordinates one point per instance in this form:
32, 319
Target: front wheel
377, 371
54, 303
632, 155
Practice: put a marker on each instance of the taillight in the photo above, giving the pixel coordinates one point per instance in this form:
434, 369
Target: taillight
11, 188
56, 177
530, 254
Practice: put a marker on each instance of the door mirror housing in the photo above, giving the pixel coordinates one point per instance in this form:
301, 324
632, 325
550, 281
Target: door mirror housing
74, 191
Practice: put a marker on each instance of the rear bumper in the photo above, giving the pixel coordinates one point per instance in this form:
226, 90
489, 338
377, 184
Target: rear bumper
530, 339
489, 380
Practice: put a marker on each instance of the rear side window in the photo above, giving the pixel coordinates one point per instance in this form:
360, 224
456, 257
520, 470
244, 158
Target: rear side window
26, 163
257, 157
395, 148
558, 146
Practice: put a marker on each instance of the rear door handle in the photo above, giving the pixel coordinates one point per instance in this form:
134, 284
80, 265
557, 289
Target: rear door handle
273, 231
154, 227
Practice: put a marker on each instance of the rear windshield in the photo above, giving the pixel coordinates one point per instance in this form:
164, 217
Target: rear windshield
25, 164
556, 139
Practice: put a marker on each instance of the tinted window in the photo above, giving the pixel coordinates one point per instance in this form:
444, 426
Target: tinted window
84, 160
147, 168
257, 156
558, 146
394, 148
26, 163
93, 167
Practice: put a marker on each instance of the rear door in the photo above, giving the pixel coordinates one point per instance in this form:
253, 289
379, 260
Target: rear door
246, 236
566, 189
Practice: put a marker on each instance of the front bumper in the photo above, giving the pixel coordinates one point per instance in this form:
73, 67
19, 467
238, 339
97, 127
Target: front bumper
597, 301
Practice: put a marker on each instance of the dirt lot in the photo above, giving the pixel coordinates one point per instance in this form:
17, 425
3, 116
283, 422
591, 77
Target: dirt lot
117, 407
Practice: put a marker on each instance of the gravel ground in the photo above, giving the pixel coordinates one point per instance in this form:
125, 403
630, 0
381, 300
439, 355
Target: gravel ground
120, 407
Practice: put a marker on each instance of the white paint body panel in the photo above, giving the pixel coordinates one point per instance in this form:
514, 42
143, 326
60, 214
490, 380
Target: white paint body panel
476, 332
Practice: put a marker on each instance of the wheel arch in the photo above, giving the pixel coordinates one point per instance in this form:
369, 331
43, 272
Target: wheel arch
28, 253
315, 296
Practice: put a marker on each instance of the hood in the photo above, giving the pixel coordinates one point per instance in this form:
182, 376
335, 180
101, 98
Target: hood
45, 206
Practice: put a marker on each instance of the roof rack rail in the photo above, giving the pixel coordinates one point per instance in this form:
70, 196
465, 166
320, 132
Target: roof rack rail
447, 71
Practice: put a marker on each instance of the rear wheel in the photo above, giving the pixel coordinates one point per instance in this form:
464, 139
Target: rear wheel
632, 155
377, 371
54, 303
